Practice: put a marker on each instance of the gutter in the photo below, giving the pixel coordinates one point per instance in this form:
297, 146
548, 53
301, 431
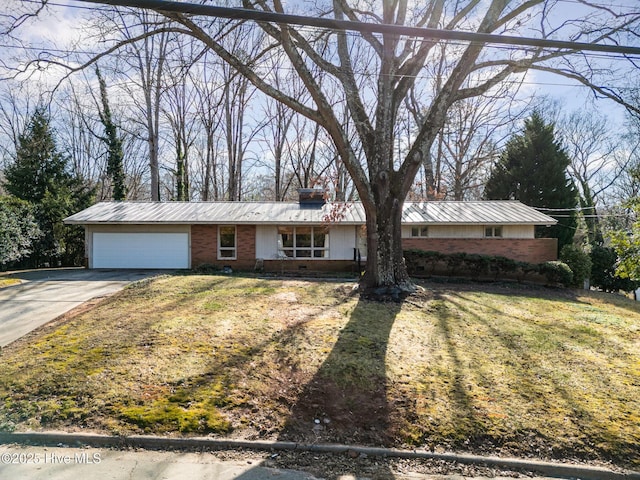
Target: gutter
551, 469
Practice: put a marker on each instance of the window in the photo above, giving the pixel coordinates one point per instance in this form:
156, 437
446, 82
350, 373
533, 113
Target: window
493, 231
303, 242
420, 231
227, 242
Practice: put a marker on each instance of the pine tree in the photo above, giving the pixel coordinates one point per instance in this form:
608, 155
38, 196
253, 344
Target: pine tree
533, 170
39, 175
38, 167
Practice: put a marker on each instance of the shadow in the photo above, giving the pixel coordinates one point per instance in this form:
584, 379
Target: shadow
538, 372
346, 400
464, 404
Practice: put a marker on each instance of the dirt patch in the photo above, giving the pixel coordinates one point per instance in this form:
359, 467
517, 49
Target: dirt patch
285, 297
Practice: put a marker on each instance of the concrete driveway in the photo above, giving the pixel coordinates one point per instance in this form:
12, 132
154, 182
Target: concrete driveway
45, 294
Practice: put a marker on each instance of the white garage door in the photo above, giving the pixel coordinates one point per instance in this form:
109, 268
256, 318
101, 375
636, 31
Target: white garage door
140, 250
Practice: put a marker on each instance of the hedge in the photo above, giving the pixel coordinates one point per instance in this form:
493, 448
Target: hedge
425, 263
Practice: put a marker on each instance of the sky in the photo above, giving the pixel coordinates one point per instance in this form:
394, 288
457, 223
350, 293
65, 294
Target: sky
57, 26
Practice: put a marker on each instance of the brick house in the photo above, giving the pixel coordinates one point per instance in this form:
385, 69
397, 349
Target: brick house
291, 236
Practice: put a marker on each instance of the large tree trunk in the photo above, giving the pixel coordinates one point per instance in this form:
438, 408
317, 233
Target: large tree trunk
386, 274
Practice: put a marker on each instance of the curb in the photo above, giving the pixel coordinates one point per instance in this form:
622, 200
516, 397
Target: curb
558, 470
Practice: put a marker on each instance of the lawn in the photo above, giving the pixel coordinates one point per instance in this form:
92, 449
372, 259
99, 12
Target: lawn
500, 369
7, 282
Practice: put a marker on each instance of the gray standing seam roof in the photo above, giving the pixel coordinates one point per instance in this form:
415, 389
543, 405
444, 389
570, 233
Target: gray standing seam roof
272, 213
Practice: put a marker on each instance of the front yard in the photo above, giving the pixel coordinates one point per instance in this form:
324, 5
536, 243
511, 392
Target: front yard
486, 369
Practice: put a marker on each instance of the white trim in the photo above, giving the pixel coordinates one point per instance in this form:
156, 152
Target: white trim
295, 248
235, 243
420, 231
495, 229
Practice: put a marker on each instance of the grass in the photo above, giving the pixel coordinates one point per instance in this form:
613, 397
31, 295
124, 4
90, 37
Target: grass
7, 282
487, 369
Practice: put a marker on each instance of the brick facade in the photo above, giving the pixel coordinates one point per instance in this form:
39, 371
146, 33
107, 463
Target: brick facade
300, 266
531, 250
204, 247
204, 250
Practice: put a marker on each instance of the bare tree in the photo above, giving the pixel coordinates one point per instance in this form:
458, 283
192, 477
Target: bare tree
591, 146
208, 90
180, 111
16, 107
469, 142
76, 127
276, 132
396, 64
376, 72
143, 41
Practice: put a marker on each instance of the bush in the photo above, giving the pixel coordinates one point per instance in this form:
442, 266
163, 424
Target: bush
603, 271
477, 264
421, 261
501, 265
578, 261
557, 272
455, 261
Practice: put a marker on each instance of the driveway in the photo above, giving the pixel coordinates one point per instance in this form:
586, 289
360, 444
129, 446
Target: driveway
46, 294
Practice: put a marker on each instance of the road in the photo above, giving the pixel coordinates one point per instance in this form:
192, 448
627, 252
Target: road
46, 294
63, 463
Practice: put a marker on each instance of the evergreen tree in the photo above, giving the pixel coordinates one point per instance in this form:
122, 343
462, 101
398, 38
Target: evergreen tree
18, 230
533, 170
115, 156
39, 175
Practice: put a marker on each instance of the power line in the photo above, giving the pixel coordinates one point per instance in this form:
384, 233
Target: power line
67, 52
261, 16
508, 43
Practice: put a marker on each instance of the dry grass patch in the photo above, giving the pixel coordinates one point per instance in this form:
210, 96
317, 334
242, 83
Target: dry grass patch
7, 282
483, 369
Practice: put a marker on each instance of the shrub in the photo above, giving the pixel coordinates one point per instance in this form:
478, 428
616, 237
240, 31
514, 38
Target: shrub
420, 262
579, 262
455, 262
206, 269
501, 265
557, 272
603, 271
477, 264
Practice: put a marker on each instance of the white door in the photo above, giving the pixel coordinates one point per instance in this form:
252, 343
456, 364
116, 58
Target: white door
140, 250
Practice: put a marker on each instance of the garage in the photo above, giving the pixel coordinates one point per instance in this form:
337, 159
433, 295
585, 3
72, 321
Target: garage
140, 250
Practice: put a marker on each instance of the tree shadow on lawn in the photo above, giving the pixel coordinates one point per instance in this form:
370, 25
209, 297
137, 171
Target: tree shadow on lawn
346, 400
539, 379
538, 291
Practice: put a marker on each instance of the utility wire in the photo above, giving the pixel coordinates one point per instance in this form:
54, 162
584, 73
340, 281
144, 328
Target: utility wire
261, 16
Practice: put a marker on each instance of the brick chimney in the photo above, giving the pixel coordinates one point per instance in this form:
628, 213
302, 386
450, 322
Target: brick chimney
311, 197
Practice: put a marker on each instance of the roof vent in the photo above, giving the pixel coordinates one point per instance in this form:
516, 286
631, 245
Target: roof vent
311, 197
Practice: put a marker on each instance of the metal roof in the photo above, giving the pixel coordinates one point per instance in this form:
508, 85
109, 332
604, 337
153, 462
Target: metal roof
210, 212
478, 212
271, 213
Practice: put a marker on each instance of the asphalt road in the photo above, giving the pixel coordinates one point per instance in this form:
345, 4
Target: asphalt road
46, 294
58, 463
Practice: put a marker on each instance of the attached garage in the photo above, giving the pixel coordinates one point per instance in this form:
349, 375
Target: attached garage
139, 250
293, 236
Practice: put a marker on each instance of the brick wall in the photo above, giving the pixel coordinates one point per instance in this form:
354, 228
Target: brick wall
278, 266
532, 250
204, 250
204, 247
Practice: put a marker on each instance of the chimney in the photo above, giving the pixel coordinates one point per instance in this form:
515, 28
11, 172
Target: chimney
311, 197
